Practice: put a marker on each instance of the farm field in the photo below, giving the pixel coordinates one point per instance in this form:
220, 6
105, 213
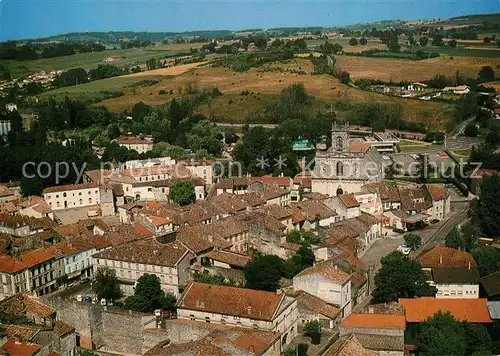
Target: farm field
397, 70
93, 91
86, 60
268, 82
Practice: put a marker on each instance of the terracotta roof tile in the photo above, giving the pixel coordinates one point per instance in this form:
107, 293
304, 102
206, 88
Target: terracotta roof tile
472, 310
30, 259
62, 329
280, 181
20, 304
62, 188
437, 192
328, 270
312, 209
317, 305
12, 347
374, 321
277, 211
21, 332
348, 345
148, 252
349, 200
231, 258
441, 256
248, 303
143, 230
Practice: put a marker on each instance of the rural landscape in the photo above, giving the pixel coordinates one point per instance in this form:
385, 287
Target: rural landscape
316, 190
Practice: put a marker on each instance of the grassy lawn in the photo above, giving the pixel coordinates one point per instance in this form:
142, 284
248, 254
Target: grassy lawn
86, 60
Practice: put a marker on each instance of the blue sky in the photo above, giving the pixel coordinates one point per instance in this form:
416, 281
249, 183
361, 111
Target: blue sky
38, 18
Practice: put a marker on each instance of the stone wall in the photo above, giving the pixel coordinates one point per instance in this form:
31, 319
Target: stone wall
181, 331
85, 317
371, 331
123, 331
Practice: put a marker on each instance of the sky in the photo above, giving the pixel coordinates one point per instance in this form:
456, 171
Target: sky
40, 18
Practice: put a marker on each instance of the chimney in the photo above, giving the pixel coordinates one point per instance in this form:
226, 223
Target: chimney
252, 349
210, 238
469, 264
335, 266
249, 310
440, 259
129, 312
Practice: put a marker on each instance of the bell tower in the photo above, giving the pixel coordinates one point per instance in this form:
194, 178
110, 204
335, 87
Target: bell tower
340, 138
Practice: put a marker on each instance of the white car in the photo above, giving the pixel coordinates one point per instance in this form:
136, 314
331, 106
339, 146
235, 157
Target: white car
405, 250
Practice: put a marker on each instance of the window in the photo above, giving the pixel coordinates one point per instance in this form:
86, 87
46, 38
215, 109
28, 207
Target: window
80, 201
340, 168
90, 200
207, 319
57, 196
79, 193
90, 192
150, 189
236, 318
191, 316
339, 143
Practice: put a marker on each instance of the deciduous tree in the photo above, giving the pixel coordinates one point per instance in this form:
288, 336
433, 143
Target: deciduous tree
106, 284
182, 192
400, 277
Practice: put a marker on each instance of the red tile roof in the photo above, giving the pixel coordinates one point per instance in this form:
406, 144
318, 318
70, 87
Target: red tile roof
20, 304
148, 252
12, 347
62, 188
472, 310
280, 181
143, 230
437, 192
248, 303
441, 256
374, 321
349, 200
30, 259
231, 258
328, 270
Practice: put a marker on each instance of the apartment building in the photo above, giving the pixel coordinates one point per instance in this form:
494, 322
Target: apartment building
34, 272
170, 262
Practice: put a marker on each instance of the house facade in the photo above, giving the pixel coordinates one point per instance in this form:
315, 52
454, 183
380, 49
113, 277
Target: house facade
246, 308
328, 282
72, 196
170, 262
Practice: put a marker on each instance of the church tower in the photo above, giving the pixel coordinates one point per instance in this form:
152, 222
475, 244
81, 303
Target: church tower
340, 138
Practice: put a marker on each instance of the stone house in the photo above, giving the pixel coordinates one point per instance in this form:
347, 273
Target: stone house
328, 282
311, 308
315, 213
246, 308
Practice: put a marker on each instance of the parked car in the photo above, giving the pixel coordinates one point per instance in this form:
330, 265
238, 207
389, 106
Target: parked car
405, 250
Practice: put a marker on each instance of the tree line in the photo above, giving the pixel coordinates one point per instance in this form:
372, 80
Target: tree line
11, 50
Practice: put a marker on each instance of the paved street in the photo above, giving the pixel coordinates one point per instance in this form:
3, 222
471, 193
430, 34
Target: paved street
431, 236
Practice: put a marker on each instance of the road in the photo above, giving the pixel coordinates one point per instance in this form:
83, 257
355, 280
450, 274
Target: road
432, 236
